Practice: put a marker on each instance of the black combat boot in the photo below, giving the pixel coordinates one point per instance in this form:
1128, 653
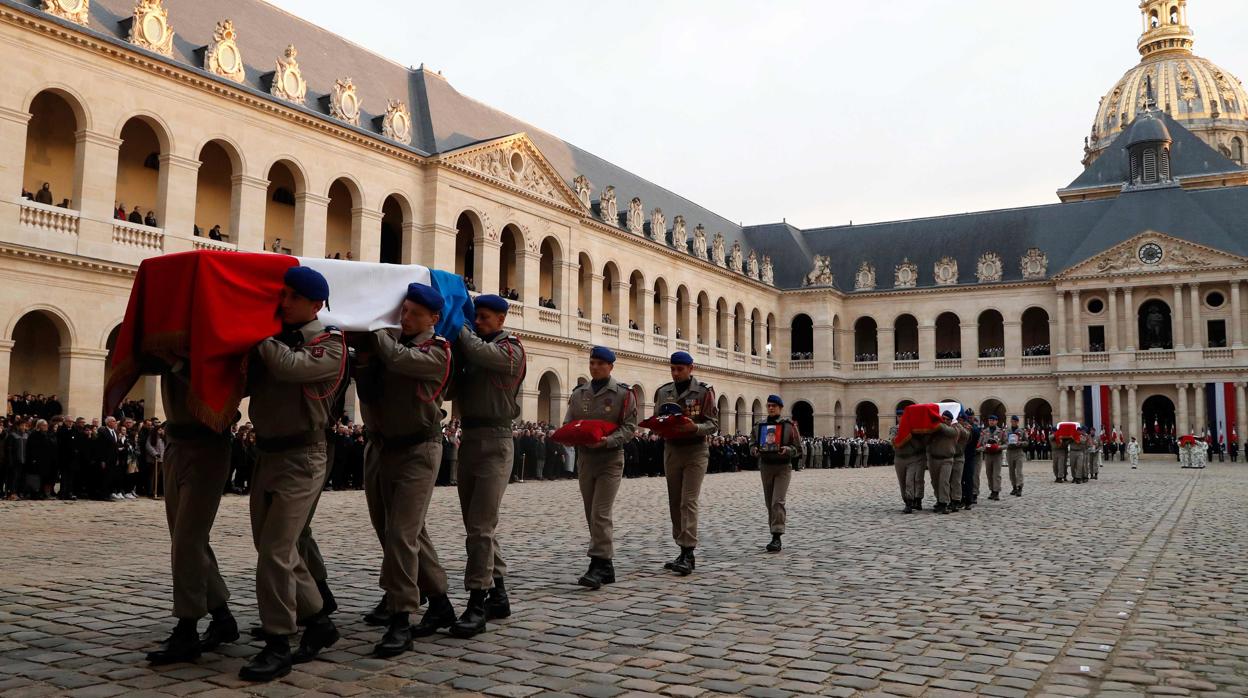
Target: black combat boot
380, 615
273, 662
684, 564
954, 507
774, 546
497, 605
398, 637
473, 619
221, 629
440, 614
608, 571
966, 504
995, 496
328, 603
1020, 491
182, 645
909, 507
918, 504
593, 576
672, 565
319, 634
940, 508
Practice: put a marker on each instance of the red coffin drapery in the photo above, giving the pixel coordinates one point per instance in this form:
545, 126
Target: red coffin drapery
917, 419
206, 307
1068, 431
583, 432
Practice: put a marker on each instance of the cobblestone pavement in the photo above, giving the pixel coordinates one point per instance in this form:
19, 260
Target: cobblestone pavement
1133, 585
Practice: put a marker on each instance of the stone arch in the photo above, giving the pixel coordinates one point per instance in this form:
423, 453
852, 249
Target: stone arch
72, 97
217, 197
550, 397
743, 416
469, 233
757, 410
660, 302
866, 339
511, 259
637, 298
51, 148
141, 176
803, 415
164, 134
345, 196
550, 270
1035, 328
756, 328
991, 329
905, 337
397, 247
682, 313
1038, 412
722, 405
722, 338
802, 337
59, 318
993, 405
288, 180
739, 321
1155, 321
610, 295
40, 334
704, 318
948, 336
867, 418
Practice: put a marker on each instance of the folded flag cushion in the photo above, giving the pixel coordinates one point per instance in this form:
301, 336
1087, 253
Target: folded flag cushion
211, 307
917, 419
583, 432
1068, 431
668, 426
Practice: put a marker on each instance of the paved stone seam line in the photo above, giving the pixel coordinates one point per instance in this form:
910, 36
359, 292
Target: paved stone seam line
1172, 513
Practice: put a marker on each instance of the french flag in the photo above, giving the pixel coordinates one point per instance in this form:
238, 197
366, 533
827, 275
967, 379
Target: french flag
1096, 406
1220, 408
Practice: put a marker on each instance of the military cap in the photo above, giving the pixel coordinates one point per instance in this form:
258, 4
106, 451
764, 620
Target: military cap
1013, 418
602, 354
490, 301
307, 282
992, 417
775, 400
427, 296
682, 358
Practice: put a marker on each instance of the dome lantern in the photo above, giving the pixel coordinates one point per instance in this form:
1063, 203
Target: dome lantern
1165, 27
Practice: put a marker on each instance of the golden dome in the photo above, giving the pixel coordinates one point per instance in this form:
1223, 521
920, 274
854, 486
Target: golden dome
1206, 99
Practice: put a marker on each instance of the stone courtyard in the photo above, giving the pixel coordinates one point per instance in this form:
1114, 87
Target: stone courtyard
1132, 585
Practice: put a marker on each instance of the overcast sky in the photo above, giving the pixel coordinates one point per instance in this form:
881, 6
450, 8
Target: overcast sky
816, 111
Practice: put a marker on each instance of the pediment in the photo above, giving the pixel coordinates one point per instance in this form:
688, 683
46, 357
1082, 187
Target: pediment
1152, 252
515, 162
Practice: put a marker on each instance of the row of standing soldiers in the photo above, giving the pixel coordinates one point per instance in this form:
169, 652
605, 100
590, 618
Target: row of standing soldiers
953, 454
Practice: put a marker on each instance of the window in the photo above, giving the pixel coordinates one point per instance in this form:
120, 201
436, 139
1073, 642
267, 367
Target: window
1215, 299
1237, 149
1096, 306
1217, 333
1150, 166
1096, 338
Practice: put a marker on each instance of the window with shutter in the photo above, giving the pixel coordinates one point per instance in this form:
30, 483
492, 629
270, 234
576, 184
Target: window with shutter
1165, 165
1135, 167
1150, 166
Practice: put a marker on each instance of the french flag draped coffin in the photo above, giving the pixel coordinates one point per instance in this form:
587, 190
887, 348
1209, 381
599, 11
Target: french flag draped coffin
1068, 431
209, 308
917, 419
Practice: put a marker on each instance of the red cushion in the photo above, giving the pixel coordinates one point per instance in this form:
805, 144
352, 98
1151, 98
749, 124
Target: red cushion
668, 426
583, 432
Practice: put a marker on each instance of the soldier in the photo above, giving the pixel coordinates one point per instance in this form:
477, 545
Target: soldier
401, 385
1078, 458
958, 462
1133, 452
942, 448
990, 447
774, 450
600, 465
196, 467
487, 391
1015, 437
970, 461
685, 457
1061, 456
910, 460
294, 376
1092, 462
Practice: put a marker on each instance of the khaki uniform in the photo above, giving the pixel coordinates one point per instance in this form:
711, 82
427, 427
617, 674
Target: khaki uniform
1061, 460
599, 469
291, 391
1092, 456
1077, 457
1014, 455
992, 436
196, 465
776, 471
486, 395
957, 463
685, 460
401, 399
942, 448
910, 460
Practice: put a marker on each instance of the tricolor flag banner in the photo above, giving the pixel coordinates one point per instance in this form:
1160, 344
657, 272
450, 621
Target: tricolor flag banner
1221, 409
1096, 407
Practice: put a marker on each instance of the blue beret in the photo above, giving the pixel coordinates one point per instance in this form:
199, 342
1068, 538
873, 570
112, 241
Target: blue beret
492, 302
1013, 418
900, 412
670, 408
775, 400
308, 283
947, 413
992, 416
682, 358
427, 296
602, 354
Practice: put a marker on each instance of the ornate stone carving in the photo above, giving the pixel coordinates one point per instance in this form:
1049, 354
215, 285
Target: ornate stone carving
150, 28
658, 225
510, 164
946, 271
906, 274
680, 235
397, 124
821, 273
735, 259
1116, 261
583, 189
288, 82
222, 56
751, 265
636, 217
1187, 257
608, 208
699, 243
78, 11
864, 279
718, 255
989, 268
1034, 264
344, 105
769, 274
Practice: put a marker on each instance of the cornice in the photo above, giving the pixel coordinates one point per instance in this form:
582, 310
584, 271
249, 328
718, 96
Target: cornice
65, 260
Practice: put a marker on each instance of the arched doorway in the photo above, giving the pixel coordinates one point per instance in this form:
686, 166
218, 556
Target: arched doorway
802, 337
467, 232
139, 171
343, 200
867, 418
550, 273
1158, 422
866, 341
610, 295
1038, 412
906, 338
215, 198
585, 287
757, 411
1155, 325
948, 336
743, 417
804, 417
549, 400
392, 220
991, 335
636, 300
1036, 332
661, 303
511, 264
990, 407
722, 405
35, 365
51, 148
285, 186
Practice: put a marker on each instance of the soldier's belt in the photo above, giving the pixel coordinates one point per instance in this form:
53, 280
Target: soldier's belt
407, 440
191, 432
275, 444
485, 423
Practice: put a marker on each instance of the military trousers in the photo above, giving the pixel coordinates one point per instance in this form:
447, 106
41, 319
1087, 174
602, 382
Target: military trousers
970, 477
308, 549
939, 468
1061, 463
599, 472
776, 478
398, 487
1094, 463
195, 472
684, 467
1014, 459
284, 487
1078, 466
485, 462
956, 464
992, 468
